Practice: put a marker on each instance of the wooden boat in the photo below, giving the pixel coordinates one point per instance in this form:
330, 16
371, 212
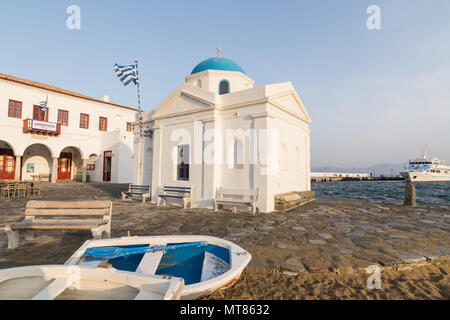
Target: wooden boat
59, 282
205, 263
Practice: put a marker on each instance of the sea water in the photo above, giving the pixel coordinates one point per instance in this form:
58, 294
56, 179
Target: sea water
435, 193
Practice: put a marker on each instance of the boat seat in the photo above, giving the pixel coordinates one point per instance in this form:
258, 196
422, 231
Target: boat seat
54, 289
150, 262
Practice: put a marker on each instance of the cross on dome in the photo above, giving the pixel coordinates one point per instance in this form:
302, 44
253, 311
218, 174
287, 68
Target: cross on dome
219, 51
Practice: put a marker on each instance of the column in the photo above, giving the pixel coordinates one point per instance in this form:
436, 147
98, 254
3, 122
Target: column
54, 169
84, 171
157, 154
212, 158
18, 168
261, 179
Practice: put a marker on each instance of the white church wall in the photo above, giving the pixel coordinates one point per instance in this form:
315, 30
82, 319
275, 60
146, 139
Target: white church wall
234, 173
165, 167
292, 162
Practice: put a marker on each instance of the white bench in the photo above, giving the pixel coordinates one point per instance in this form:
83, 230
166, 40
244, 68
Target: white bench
186, 194
237, 198
143, 191
100, 227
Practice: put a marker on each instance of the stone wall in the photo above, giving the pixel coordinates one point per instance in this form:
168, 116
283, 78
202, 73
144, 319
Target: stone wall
285, 201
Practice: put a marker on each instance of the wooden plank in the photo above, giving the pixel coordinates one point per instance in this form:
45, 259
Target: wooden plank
234, 201
46, 224
176, 191
239, 192
149, 262
171, 196
169, 187
54, 289
67, 212
94, 204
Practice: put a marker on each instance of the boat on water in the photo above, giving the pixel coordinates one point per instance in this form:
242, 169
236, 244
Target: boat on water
59, 282
426, 169
205, 263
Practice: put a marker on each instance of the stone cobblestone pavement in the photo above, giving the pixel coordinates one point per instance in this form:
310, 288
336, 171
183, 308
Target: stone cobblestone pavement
323, 235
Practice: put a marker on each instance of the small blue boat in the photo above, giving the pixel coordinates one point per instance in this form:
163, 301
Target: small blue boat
204, 263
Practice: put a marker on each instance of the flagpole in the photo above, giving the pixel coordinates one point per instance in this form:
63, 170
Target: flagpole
139, 99
140, 125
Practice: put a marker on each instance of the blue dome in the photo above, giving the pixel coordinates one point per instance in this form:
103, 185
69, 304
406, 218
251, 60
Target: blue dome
217, 63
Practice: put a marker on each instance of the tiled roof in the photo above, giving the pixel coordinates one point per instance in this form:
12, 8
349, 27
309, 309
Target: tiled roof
57, 90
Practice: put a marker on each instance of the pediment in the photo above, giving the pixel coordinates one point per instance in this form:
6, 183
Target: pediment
292, 103
181, 103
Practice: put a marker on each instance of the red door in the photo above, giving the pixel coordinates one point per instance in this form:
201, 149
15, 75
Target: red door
65, 166
7, 167
107, 161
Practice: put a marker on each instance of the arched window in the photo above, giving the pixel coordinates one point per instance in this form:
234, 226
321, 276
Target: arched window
224, 87
199, 83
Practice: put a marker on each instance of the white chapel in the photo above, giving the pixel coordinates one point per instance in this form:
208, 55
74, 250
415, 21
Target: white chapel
217, 130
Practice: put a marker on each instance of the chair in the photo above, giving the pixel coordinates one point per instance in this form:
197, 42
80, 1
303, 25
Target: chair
8, 191
21, 189
34, 189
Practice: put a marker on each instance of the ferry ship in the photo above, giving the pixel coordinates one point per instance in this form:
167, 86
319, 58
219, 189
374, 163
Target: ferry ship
426, 169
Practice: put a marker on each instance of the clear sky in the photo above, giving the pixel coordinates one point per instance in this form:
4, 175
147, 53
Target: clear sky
373, 95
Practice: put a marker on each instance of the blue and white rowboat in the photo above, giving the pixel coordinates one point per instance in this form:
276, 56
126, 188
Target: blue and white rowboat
205, 263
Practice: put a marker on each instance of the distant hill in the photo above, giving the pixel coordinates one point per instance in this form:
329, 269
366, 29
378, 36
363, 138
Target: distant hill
385, 169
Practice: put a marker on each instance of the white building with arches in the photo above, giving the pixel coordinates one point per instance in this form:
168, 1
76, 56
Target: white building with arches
76, 138
216, 129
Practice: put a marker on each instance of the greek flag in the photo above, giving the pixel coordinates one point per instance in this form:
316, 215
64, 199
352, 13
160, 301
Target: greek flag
126, 74
43, 105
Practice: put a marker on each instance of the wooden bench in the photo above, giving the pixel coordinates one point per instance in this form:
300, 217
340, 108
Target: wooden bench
40, 176
100, 227
237, 198
186, 194
143, 191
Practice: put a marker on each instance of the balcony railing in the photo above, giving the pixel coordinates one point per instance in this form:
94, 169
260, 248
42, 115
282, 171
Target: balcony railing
41, 127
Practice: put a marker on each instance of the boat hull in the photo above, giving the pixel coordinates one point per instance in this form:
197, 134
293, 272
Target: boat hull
413, 176
239, 258
58, 282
